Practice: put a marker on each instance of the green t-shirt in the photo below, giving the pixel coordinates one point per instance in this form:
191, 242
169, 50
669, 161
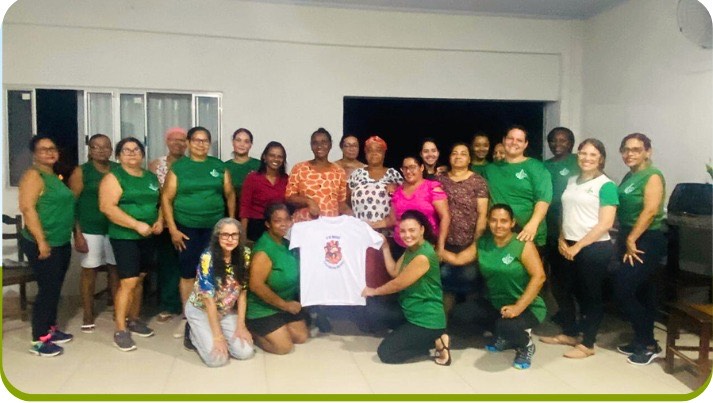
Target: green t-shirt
631, 198
199, 201
479, 169
90, 218
560, 171
55, 207
422, 301
139, 199
238, 172
504, 274
283, 279
521, 185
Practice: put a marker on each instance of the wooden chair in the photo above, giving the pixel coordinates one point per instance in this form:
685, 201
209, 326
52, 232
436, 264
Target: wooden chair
696, 319
17, 272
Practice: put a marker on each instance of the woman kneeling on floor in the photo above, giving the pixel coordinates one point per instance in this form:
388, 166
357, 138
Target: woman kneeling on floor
215, 310
513, 274
275, 316
417, 279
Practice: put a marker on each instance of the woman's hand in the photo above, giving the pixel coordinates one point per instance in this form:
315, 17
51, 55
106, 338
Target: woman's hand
44, 250
80, 243
368, 292
632, 253
571, 251
510, 311
177, 237
293, 307
220, 347
313, 207
157, 227
528, 232
143, 229
242, 333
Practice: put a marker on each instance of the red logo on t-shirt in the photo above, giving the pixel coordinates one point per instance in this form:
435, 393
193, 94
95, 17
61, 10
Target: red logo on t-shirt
333, 253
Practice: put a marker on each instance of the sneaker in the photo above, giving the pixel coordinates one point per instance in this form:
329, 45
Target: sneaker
164, 317
523, 356
627, 349
499, 345
180, 329
45, 348
139, 328
123, 341
187, 343
88, 328
644, 356
58, 336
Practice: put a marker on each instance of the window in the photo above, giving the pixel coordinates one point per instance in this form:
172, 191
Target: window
116, 113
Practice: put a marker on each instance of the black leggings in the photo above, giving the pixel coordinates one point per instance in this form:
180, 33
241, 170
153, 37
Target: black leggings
50, 275
583, 279
513, 330
634, 286
406, 342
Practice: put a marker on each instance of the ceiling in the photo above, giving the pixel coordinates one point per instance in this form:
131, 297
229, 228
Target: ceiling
548, 9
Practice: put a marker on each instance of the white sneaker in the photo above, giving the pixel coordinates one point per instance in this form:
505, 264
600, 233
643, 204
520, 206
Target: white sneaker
180, 329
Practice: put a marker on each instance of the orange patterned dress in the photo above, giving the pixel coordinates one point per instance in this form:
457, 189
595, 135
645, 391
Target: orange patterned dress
327, 188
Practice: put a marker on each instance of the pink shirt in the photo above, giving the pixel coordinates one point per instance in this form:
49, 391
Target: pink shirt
422, 199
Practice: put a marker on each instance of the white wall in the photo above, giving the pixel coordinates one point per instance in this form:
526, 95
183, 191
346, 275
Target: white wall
642, 75
284, 69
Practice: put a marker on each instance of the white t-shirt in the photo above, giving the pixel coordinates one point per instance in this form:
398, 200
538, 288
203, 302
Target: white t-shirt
580, 205
333, 259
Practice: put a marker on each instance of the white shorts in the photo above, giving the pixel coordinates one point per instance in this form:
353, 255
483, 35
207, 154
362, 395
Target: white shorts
100, 252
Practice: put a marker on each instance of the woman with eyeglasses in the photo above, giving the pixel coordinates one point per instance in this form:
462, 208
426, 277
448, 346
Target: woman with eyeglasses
129, 197
47, 207
263, 187
194, 197
90, 237
275, 317
423, 195
349, 144
640, 245
215, 310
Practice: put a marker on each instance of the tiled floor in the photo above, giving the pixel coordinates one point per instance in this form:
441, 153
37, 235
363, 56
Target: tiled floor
343, 362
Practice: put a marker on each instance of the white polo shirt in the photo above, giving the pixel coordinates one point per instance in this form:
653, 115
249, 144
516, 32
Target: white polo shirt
581, 203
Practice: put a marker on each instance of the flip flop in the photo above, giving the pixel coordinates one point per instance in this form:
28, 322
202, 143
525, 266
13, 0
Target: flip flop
446, 347
580, 351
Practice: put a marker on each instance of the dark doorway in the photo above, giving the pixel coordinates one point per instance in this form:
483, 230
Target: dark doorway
404, 122
57, 118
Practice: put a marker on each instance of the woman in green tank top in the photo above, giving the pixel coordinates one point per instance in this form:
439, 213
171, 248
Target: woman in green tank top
514, 275
275, 317
129, 196
640, 246
47, 206
417, 279
92, 226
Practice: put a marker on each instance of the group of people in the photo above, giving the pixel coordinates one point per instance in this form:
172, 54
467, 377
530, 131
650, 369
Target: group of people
473, 225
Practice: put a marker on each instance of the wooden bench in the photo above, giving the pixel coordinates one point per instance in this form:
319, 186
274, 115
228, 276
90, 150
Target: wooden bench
696, 319
17, 272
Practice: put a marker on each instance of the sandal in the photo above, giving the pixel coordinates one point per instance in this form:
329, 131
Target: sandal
446, 348
579, 351
164, 317
88, 328
561, 339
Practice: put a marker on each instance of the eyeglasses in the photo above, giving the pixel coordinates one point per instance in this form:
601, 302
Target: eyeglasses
632, 150
46, 150
200, 141
410, 168
228, 236
130, 151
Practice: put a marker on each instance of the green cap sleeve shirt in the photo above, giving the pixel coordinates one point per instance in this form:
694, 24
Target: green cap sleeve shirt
238, 172
199, 201
521, 185
139, 199
55, 208
90, 218
560, 171
283, 279
422, 301
505, 275
631, 198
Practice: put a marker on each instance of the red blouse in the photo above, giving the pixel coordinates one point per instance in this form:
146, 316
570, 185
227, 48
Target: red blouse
258, 192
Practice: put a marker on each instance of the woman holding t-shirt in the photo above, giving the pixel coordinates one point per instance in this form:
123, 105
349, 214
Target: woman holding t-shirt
588, 210
195, 194
640, 246
417, 279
